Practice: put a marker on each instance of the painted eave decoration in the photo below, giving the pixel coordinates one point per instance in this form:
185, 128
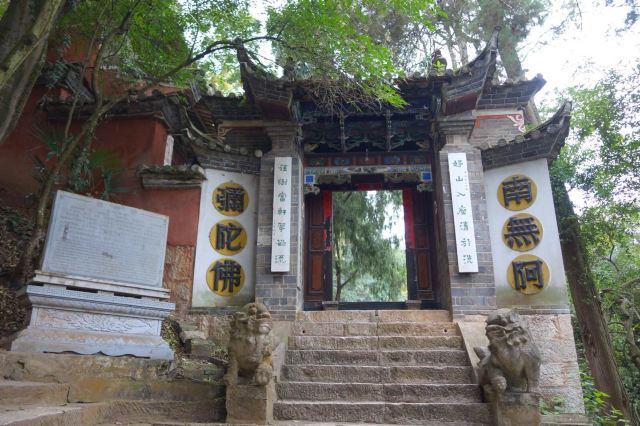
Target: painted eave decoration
544, 141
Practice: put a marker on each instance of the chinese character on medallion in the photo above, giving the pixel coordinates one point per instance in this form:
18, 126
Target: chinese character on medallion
528, 274
517, 192
522, 232
230, 199
228, 237
225, 277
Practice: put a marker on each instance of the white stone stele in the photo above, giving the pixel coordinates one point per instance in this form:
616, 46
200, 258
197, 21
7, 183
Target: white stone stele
84, 302
106, 241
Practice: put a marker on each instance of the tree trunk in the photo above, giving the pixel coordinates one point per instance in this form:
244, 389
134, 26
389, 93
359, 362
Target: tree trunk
508, 51
595, 334
25, 28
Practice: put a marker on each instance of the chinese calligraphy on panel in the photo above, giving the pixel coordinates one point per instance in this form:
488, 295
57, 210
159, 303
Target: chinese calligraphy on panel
462, 213
281, 233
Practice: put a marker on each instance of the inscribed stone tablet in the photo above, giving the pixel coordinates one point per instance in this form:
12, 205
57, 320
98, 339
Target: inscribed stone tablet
102, 240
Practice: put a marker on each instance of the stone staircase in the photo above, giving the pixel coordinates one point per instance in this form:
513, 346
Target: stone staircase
79, 390
394, 367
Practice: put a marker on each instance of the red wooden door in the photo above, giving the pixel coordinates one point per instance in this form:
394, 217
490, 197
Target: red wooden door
418, 226
318, 274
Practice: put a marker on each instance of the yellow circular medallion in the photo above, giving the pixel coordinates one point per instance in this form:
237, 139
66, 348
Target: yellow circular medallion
228, 237
225, 277
230, 199
528, 274
517, 192
522, 232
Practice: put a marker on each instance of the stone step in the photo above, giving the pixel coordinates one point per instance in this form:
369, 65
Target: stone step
376, 374
418, 329
68, 415
186, 335
414, 316
374, 343
309, 328
374, 316
454, 357
565, 420
18, 394
431, 393
115, 412
378, 412
96, 389
125, 412
313, 328
200, 348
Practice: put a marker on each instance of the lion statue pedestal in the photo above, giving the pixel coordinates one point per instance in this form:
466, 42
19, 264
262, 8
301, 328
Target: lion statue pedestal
249, 377
509, 370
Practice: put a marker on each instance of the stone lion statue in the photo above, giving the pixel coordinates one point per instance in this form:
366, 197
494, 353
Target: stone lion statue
512, 361
250, 346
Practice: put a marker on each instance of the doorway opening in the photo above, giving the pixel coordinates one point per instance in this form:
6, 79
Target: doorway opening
368, 240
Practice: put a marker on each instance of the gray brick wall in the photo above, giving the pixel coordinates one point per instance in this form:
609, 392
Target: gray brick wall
280, 291
488, 131
470, 292
231, 162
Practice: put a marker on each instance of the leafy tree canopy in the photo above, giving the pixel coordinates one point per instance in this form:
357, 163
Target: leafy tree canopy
368, 262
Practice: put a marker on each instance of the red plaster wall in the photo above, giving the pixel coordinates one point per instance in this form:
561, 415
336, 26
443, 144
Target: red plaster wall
181, 205
135, 140
17, 152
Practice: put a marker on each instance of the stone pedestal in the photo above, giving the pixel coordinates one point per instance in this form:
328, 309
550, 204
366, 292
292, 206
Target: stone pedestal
250, 404
88, 317
517, 409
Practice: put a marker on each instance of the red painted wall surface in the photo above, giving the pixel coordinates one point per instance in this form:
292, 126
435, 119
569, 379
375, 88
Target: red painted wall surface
135, 140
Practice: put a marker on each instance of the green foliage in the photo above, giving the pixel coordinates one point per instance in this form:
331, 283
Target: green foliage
596, 405
368, 266
4, 4
156, 40
607, 128
332, 40
602, 162
92, 172
554, 406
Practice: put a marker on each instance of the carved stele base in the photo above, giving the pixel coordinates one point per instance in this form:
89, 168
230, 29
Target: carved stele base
517, 409
250, 404
103, 318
